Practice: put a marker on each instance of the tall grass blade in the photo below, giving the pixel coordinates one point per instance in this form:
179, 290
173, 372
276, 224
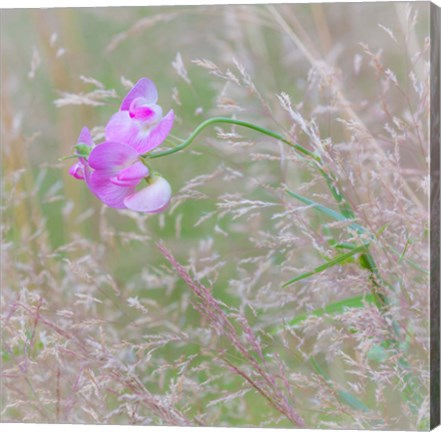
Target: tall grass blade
327, 211
335, 308
339, 259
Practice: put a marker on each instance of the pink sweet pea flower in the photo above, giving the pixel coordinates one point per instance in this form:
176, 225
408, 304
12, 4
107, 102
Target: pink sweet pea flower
117, 171
139, 122
112, 171
99, 174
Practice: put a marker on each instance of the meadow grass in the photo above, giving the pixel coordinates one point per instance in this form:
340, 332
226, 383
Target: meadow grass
278, 290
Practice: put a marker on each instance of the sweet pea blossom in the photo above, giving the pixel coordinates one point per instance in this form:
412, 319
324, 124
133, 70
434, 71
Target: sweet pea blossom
139, 122
102, 171
112, 170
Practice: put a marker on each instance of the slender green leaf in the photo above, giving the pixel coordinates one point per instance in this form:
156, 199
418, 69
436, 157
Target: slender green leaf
344, 246
352, 401
377, 353
336, 308
327, 211
337, 260
343, 395
408, 242
409, 261
381, 230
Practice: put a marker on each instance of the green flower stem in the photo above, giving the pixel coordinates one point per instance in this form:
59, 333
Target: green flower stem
225, 120
329, 177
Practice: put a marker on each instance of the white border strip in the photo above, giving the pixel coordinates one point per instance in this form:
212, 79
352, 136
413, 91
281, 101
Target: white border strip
20, 4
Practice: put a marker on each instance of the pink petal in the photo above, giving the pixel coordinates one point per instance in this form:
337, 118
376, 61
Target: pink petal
137, 134
110, 194
136, 103
156, 136
143, 113
77, 170
152, 199
122, 128
132, 175
145, 89
85, 137
111, 157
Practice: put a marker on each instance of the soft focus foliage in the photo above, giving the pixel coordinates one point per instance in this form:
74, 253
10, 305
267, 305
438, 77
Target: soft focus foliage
112, 316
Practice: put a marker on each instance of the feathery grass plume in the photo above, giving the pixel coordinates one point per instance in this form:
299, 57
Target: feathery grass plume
257, 377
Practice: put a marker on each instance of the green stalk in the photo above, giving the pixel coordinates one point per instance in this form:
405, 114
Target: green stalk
225, 120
